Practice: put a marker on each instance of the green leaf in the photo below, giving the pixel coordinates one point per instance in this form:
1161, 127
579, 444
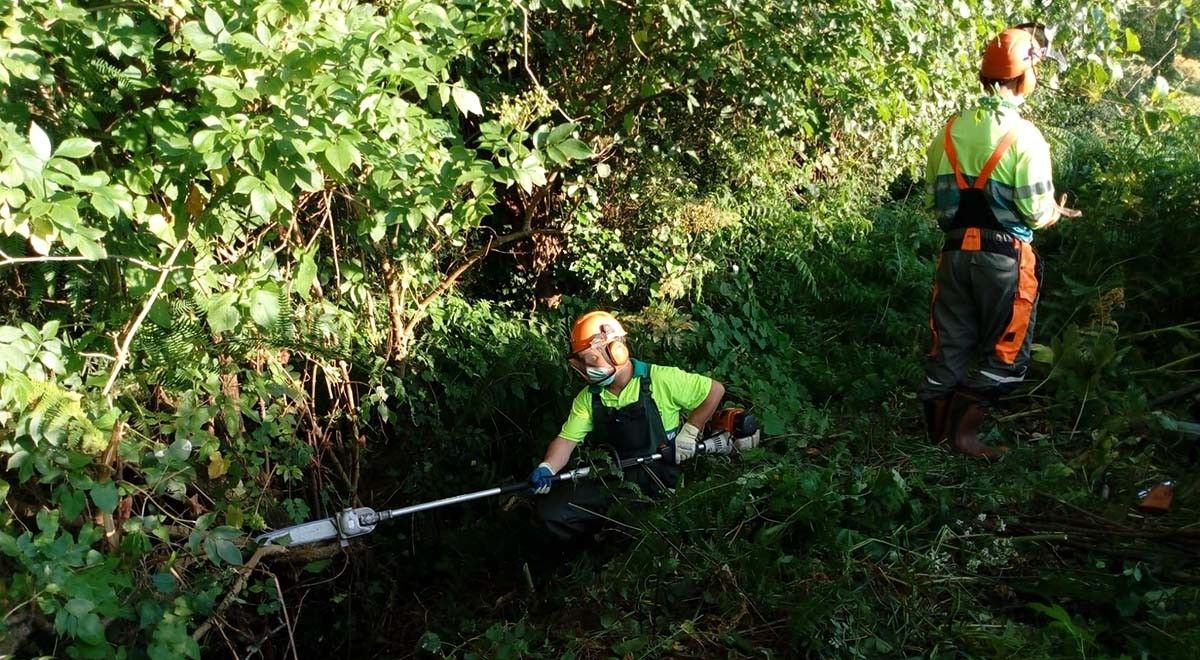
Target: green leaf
466, 101
222, 312
1042, 353
430, 642
111, 200
79, 606
234, 516
218, 466
318, 565
341, 154
560, 133
262, 202
212, 20
306, 274
1132, 43
105, 496
72, 502
40, 142
433, 15
264, 307
87, 248
161, 228
164, 582
75, 148
247, 184
51, 361
19, 459
180, 450
575, 149
90, 629
229, 552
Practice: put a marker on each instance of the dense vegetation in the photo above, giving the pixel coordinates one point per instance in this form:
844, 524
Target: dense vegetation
262, 260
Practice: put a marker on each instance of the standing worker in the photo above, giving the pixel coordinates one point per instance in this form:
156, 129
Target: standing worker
633, 407
989, 178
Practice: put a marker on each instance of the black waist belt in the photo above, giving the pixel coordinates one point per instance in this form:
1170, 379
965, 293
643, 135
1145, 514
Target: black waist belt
989, 240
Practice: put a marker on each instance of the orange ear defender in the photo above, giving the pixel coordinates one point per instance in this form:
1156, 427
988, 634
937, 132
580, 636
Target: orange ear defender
618, 352
596, 329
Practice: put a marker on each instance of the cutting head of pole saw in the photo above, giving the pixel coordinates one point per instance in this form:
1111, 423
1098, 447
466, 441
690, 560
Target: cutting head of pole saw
347, 524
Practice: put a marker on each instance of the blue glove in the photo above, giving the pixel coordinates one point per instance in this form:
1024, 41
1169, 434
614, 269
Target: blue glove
541, 479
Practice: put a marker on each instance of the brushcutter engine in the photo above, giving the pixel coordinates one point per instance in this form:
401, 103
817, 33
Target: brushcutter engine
731, 429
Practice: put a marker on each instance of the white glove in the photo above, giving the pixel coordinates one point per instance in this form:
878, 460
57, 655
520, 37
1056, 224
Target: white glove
685, 443
749, 442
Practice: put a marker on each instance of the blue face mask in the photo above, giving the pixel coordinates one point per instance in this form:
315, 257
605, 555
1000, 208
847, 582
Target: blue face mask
601, 377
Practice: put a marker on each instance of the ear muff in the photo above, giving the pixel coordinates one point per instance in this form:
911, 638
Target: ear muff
1028, 82
618, 352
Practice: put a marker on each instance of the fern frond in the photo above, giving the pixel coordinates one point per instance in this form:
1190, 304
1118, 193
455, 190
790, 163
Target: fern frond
56, 416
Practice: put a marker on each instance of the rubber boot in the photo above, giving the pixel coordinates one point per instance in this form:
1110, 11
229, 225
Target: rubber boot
937, 412
967, 413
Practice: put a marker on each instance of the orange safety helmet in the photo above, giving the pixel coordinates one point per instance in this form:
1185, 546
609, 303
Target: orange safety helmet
600, 329
1012, 54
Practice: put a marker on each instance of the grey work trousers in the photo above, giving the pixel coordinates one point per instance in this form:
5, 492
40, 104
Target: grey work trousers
984, 306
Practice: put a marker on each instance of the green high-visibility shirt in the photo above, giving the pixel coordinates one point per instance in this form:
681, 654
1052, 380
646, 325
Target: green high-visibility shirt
675, 392
1021, 190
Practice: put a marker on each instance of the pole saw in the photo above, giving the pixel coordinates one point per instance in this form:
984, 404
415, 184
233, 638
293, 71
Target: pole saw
359, 521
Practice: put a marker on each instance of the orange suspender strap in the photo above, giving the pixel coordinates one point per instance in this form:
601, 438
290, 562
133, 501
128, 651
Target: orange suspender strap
992, 162
948, 143
1005, 143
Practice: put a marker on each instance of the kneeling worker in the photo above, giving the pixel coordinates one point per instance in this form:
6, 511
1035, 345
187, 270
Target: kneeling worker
629, 405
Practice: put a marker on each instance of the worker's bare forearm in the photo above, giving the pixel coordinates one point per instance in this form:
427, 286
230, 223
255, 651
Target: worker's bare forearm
559, 452
707, 407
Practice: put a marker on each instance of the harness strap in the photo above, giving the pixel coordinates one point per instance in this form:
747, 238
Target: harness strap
1005, 143
658, 435
977, 239
992, 162
948, 142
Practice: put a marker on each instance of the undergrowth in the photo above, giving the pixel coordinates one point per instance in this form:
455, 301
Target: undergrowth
849, 535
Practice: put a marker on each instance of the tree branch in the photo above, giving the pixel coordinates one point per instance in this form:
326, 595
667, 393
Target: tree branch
123, 350
238, 584
452, 277
6, 260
